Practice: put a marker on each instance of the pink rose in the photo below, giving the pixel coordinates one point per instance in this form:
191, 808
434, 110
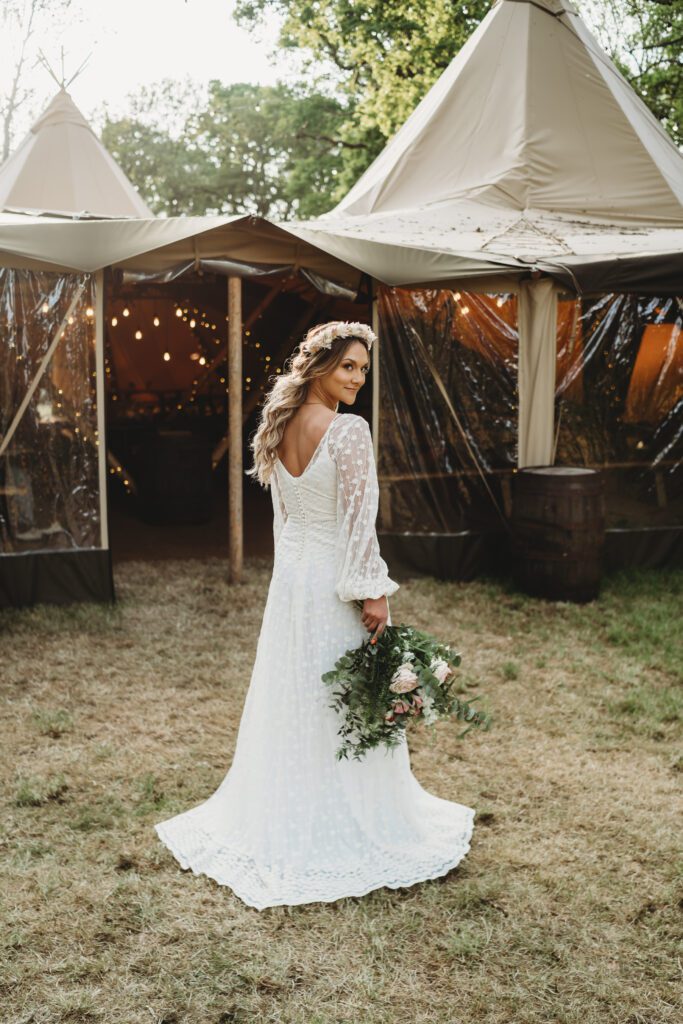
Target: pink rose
404, 679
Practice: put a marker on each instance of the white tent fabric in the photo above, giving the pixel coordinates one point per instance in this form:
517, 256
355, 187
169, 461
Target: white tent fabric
62, 167
531, 148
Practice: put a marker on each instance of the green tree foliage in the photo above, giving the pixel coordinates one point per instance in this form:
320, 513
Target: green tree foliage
645, 38
383, 55
268, 150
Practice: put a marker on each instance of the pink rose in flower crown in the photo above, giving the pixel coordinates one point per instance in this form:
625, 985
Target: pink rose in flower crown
441, 669
404, 679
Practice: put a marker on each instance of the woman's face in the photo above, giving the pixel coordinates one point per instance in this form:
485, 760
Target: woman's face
344, 382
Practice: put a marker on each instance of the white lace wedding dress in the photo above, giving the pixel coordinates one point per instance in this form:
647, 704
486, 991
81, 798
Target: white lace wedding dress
289, 823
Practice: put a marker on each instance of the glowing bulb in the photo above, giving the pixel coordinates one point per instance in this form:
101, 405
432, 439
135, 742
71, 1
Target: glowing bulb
465, 310
457, 296
46, 308
167, 356
202, 361
126, 311
114, 321
178, 311
156, 321
193, 323
70, 320
194, 355
499, 301
90, 311
138, 335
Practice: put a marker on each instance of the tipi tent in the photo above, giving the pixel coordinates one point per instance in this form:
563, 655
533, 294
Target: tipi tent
533, 154
62, 167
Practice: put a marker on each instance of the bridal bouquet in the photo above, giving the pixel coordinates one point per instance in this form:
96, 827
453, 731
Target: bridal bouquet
402, 675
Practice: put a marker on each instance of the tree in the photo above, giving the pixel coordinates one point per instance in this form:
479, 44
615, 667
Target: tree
20, 21
269, 150
644, 39
384, 55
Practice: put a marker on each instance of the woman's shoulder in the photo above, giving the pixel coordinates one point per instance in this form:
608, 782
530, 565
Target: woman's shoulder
348, 430
351, 420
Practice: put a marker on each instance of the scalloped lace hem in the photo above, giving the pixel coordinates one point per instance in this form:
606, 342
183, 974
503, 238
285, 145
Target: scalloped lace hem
194, 851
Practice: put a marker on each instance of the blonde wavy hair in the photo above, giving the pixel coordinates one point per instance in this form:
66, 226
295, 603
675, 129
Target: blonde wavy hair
288, 392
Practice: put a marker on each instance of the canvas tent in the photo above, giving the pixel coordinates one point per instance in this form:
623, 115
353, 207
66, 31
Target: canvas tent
62, 167
530, 150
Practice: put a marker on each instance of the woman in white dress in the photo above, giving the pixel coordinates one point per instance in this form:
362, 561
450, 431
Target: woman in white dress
291, 824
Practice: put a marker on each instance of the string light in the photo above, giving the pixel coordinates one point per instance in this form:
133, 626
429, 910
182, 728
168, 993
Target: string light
179, 312
167, 356
138, 335
46, 308
90, 311
114, 321
156, 321
125, 311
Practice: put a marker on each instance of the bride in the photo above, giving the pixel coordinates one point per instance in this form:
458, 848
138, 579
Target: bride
289, 823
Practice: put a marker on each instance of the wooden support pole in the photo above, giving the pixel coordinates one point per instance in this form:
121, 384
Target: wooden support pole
236, 521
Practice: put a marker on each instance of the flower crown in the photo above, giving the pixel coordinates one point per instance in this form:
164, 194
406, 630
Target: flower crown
337, 329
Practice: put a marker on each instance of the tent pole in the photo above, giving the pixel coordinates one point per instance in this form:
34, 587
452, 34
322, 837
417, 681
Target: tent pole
375, 371
101, 435
536, 373
236, 523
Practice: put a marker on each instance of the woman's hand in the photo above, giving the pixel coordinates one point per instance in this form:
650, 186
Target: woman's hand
375, 615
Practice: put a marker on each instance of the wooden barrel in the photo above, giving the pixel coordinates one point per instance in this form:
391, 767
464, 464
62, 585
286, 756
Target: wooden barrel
175, 478
558, 525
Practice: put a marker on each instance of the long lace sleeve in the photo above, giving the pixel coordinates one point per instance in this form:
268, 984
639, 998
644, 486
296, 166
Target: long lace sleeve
279, 511
360, 570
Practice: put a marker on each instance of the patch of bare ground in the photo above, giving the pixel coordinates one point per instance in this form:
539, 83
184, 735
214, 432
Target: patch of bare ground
567, 908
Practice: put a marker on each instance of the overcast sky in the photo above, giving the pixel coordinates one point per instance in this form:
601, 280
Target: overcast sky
137, 42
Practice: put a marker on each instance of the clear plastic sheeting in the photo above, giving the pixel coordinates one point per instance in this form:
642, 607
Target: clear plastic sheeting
619, 402
49, 489
445, 463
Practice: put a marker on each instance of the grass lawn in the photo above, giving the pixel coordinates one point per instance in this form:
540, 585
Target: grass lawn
566, 909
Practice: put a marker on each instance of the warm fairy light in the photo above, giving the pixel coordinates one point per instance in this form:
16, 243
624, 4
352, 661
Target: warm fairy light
90, 311
193, 323
138, 335
202, 361
46, 308
499, 301
126, 311
70, 320
194, 355
179, 312
167, 356
156, 321
114, 321
465, 310
457, 296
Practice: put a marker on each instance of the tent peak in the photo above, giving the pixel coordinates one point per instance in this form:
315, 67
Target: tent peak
60, 110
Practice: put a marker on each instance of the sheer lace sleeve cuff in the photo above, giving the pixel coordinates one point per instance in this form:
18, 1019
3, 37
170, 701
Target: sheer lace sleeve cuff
360, 570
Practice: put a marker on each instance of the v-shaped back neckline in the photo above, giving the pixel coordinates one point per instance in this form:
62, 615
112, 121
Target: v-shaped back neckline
315, 452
